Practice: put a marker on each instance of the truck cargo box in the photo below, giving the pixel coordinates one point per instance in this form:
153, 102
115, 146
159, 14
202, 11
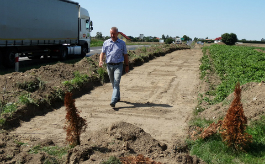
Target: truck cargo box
38, 22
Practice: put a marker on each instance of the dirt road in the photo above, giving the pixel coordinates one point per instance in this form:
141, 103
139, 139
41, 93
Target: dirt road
158, 97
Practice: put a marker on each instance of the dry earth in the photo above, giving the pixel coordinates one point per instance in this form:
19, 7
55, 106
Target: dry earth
157, 98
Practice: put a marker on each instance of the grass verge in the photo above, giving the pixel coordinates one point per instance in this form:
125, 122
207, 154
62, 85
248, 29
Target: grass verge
214, 150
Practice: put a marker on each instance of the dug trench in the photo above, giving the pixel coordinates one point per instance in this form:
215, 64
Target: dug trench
157, 100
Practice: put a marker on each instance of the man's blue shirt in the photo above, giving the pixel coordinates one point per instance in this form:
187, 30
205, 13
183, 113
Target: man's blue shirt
114, 50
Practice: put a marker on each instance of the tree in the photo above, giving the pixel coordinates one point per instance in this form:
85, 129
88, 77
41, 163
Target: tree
229, 39
99, 35
169, 40
195, 39
163, 36
186, 38
106, 37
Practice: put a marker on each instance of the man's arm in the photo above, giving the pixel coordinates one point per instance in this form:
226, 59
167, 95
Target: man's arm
101, 59
126, 62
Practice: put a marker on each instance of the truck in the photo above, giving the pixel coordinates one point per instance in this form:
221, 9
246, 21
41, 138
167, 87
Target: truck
178, 41
48, 28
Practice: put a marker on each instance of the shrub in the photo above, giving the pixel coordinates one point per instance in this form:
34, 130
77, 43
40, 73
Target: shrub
75, 124
169, 41
235, 123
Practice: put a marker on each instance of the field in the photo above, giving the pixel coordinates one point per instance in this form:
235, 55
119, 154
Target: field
169, 91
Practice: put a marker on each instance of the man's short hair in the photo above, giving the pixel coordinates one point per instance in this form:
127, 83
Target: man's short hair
114, 28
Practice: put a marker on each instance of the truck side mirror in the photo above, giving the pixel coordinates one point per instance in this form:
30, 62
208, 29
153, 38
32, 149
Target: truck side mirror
91, 25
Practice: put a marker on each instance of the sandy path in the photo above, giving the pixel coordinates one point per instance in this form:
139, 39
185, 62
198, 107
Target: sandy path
158, 96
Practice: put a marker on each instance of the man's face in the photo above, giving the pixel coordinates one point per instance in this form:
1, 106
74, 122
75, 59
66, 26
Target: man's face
114, 35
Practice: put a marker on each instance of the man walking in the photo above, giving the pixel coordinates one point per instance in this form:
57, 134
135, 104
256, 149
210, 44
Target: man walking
116, 53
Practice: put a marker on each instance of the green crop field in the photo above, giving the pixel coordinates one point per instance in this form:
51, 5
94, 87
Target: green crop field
233, 64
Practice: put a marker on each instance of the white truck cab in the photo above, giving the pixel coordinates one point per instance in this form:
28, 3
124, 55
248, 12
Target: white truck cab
86, 26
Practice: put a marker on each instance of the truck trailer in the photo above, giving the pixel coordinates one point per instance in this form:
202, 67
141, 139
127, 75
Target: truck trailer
35, 28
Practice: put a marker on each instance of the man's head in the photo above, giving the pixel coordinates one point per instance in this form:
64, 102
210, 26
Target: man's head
114, 33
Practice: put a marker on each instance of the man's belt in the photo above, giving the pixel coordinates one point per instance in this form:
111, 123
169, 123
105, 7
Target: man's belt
114, 63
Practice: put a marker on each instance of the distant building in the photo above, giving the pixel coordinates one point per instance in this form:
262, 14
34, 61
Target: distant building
123, 37
217, 40
141, 36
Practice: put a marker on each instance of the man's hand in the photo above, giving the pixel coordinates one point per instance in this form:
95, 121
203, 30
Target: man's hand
127, 68
101, 59
100, 64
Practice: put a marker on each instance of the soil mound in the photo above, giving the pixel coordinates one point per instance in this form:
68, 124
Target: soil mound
251, 97
123, 139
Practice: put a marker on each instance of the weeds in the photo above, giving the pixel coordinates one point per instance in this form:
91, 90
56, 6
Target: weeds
32, 86
112, 160
198, 109
26, 99
102, 73
9, 108
77, 82
56, 153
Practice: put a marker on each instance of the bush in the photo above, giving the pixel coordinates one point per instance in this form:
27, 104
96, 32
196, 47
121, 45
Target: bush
169, 41
229, 39
235, 124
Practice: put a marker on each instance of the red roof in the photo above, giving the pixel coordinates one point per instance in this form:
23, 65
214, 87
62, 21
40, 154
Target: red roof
124, 35
219, 38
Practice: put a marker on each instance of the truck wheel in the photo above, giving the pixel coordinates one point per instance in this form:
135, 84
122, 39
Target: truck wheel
83, 50
63, 53
9, 58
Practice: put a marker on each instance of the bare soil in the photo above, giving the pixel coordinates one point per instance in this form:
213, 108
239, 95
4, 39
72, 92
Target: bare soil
157, 100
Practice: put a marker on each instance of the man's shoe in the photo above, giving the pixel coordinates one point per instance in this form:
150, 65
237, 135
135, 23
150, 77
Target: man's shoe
118, 100
112, 105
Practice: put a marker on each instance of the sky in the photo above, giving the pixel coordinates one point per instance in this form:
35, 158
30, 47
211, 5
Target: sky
194, 18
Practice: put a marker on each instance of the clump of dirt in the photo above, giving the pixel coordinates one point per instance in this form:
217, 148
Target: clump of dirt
251, 97
124, 139
13, 151
121, 139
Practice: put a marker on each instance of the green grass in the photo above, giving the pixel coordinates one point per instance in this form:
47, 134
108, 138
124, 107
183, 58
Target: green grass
112, 160
96, 43
56, 153
200, 122
102, 74
213, 150
77, 81
26, 99
9, 108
